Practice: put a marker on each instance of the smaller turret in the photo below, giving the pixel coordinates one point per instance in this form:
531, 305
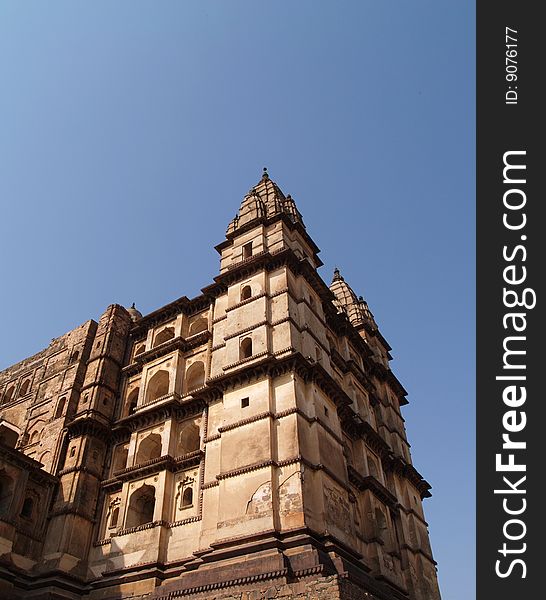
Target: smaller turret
346, 301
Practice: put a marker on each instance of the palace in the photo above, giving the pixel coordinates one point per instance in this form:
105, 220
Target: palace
245, 444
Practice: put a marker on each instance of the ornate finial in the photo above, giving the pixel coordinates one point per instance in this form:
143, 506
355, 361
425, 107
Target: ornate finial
133, 305
337, 275
265, 174
361, 299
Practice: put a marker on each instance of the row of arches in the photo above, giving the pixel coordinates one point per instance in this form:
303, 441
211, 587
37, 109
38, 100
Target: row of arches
159, 383
168, 333
159, 386
30, 503
141, 507
151, 446
10, 393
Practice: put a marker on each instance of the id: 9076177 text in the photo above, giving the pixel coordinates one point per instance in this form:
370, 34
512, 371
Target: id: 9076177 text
511, 65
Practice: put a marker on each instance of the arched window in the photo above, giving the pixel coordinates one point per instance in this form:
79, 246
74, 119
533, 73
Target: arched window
195, 376
28, 508
198, 326
158, 386
60, 407
9, 393
34, 436
164, 336
246, 292
114, 517
120, 458
141, 506
187, 497
140, 349
6, 492
189, 439
24, 387
74, 356
246, 348
149, 447
131, 403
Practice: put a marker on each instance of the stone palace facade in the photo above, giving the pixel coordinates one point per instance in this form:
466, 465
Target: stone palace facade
244, 444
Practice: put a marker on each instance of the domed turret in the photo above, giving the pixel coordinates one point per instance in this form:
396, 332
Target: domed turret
346, 301
135, 314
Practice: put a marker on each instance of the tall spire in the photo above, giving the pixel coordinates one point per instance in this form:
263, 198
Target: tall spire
265, 200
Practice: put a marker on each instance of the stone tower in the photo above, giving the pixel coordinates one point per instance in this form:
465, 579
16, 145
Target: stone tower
244, 444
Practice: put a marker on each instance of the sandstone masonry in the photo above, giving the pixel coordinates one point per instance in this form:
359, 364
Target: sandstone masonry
242, 445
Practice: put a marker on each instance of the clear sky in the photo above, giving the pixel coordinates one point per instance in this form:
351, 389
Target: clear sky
130, 131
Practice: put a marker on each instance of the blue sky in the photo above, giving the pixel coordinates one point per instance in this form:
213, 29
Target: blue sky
130, 131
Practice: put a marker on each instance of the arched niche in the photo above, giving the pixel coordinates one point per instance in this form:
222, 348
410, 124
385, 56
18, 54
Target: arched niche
187, 498
189, 439
119, 461
195, 376
158, 386
60, 407
24, 387
141, 506
149, 448
131, 402
246, 292
245, 348
198, 326
163, 336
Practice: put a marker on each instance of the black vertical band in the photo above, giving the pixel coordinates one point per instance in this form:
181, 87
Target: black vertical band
511, 259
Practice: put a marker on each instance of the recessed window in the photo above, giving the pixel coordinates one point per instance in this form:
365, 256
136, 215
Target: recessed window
245, 402
164, 336
141, 506
187, 498
246, 348
72, 451
246, 292
247, 250
28, 506
60, 407
114, 517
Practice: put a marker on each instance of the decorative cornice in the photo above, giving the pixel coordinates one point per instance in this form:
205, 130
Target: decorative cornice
178, 343
155, 465
282, 573
244, 361
247, 301
79, 469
